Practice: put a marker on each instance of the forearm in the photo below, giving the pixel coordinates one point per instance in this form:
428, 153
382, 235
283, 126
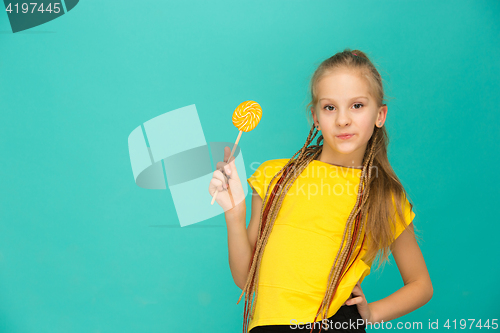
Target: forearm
240, 250
407, 299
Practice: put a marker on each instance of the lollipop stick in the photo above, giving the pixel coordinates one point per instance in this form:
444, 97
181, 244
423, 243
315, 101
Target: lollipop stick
230, 155
234, 147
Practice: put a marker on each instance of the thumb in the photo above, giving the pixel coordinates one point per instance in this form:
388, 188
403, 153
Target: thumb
231, 171
227, 169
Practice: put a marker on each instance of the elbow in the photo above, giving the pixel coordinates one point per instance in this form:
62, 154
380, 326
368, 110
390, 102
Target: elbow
424, 290
240, 285
430, 290
242, 281
427, 290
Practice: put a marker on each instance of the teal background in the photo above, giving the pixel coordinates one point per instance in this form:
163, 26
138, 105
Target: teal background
84, 249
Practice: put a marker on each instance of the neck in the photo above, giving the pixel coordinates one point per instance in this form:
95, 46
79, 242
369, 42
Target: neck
330, 160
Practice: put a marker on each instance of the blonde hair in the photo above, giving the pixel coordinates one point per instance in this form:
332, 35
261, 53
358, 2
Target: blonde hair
375, 194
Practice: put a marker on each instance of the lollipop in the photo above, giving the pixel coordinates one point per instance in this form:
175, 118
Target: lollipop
245, 117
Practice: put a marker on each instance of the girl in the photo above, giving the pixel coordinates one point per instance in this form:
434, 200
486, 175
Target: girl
320, 219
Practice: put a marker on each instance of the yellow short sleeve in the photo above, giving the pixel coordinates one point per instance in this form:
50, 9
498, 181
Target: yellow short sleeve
408, 214
260, 179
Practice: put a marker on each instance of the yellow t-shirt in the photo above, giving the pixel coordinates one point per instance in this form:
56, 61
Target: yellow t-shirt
304, 241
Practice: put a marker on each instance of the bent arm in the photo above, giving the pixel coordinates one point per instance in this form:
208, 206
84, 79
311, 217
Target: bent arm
417, 289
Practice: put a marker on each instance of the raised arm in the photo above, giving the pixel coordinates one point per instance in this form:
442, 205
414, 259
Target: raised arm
241, 240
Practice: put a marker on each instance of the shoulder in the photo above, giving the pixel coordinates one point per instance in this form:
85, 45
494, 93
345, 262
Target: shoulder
263, 174
277, 162
403, 214
265, 171
270, 165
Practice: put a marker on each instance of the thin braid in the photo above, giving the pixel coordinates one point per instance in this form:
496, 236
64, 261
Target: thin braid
346, 251
273, 205
374, 229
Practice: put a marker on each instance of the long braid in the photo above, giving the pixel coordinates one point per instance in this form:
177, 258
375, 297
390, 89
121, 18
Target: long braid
273, 205
358, 225
346, 247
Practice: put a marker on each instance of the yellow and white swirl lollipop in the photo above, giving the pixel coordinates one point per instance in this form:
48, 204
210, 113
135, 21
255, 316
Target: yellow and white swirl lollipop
245, 117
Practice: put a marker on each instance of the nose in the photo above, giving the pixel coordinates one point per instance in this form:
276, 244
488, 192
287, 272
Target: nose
343, 118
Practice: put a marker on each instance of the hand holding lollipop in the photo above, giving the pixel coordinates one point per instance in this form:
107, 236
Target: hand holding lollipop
245, 117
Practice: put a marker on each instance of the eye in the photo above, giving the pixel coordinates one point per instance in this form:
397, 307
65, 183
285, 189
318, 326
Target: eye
327, 107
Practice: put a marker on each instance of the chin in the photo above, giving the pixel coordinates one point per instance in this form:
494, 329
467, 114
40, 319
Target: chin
345, 149
345, 152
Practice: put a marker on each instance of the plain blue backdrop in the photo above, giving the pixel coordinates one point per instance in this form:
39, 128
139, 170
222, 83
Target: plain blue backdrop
84, 249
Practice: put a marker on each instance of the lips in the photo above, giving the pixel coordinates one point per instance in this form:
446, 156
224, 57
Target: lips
345, 136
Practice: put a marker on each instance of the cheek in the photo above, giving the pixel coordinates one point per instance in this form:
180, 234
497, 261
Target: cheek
326, 117
366, 124
322, 119
365, 128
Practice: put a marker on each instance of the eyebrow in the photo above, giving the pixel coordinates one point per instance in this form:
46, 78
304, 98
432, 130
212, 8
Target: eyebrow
351, 98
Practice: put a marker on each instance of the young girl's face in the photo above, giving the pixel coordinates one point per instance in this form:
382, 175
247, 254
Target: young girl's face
345, 105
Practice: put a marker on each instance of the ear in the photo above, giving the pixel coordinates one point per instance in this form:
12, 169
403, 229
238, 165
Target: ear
315, 119
382, 115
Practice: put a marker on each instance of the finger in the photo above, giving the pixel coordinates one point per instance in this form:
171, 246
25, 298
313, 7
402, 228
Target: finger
224, 168
227, 170
227, 152
232, 159
357, 293
221, 177
355, 300
350, 297
232, 166
220, 166
216, 184
358, 288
